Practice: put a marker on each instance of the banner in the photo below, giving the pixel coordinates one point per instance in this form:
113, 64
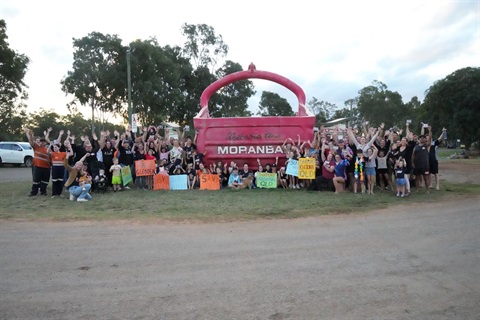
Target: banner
266, 180
209, 181
161, 182
292, 168
178, 182
144, 168
306, 168
126, 175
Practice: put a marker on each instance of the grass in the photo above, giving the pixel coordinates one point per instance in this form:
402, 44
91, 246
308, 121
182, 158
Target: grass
206, 206
444, 153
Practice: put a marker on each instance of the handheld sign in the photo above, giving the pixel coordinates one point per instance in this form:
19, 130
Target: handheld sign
178, 182
267, 180
126, 175
292, 167
209, 182
144, 168
161, 182
306, 168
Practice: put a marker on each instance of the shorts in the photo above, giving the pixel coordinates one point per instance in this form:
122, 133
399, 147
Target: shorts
369, 171
434, 167
421, 171
382, 171
400, 182
117, 180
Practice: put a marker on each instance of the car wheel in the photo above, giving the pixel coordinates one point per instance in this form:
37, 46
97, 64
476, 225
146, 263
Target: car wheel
1, 163
28, 161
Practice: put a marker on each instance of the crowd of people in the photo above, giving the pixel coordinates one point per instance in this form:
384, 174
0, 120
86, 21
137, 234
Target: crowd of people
361, 161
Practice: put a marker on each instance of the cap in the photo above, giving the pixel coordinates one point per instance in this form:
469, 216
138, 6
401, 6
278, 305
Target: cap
274, 165
341, 141
422, 136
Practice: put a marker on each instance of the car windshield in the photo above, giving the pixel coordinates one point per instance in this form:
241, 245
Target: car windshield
26, 145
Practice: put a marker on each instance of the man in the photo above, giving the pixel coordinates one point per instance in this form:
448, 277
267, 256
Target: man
420, 163
247, 173
41, 165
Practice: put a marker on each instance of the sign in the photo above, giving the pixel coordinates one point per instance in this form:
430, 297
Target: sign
161, 182
306, 168
266, 180
292, 167
126, 175
246, 139
134, 122
209, 181
178, 182
144, 168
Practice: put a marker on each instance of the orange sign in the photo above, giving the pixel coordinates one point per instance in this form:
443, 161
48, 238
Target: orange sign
209, 182
144, 168
161, 182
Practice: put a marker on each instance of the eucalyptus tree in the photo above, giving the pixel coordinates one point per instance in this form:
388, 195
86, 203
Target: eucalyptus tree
98, 77
13, 90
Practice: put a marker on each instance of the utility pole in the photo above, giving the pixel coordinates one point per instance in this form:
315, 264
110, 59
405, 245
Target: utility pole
129, 87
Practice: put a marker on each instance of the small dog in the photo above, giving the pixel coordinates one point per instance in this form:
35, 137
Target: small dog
246, 183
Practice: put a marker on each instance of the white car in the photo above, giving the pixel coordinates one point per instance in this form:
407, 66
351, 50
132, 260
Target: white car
16, 153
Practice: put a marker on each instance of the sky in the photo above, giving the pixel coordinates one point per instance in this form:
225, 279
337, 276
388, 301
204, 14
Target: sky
331, 49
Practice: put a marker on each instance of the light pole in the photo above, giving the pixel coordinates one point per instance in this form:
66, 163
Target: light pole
129, 87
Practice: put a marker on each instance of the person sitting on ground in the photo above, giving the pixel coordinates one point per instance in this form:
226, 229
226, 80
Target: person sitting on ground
77, 184
235, 180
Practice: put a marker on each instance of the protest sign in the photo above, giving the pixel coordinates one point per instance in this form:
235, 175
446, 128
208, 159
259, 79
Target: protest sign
306, 168
266, 180
209, 181
161, 182
126, 175
292, 167
144, 168
178, 182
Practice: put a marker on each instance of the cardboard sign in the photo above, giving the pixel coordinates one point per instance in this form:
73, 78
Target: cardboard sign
267, 180
292, 168
144, 168
178, 182
126, 175
161, 182
306, 168
209, 182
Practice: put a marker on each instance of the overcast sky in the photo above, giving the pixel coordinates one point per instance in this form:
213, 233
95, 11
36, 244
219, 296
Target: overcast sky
331, 49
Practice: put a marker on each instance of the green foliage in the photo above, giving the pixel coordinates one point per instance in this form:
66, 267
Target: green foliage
454, 103
377, 104
13, 67
271, 104
233, 98
322, 110
98, 76
203, 46
158, 81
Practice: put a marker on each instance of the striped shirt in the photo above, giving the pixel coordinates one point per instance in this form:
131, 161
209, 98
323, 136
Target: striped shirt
58, 158
41, 158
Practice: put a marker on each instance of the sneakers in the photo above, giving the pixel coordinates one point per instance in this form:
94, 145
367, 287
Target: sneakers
127, 187
72, 197
81, 200
398, 194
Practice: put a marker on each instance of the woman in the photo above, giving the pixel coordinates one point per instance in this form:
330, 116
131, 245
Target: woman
405, 152
340, 175
78, 191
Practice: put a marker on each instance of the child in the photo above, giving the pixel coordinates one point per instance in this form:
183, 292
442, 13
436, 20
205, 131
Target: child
83, 179
282, 178
101, 179
358, 173
192, 176
400, 177
370, 166
115, 169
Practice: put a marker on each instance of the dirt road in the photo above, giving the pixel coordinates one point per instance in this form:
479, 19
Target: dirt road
397, 264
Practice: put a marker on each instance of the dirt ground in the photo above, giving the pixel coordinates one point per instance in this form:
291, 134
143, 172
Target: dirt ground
407, 262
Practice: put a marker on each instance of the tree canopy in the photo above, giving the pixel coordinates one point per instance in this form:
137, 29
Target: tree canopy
271, 104
13, 68
454, 103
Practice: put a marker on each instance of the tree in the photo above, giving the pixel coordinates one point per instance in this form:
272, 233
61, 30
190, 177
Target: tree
13, 67
454, 103
322, 110
203, 46
98, 78
271, 104
377, 104
158, 81
233, 98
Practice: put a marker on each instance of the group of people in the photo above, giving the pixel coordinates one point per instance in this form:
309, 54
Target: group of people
358, 161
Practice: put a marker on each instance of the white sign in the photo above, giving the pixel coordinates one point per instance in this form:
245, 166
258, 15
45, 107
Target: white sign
134, 122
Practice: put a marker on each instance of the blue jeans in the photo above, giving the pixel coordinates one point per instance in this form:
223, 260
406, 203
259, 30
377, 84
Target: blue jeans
78, 191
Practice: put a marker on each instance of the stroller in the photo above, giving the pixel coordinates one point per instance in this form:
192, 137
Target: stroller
99, 177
